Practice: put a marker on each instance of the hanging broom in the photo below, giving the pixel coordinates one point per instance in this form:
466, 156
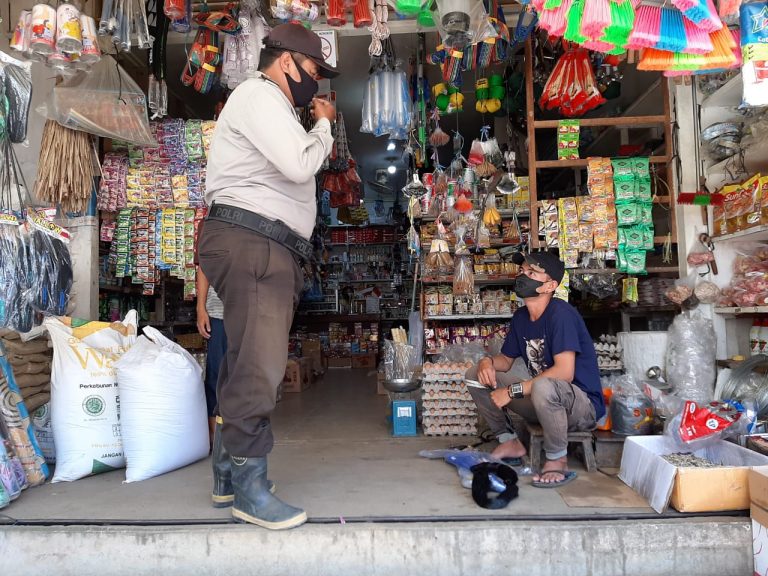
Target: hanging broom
622, 23
555, 21
596, 18
672, 34
573, 25
647, 28
697, 40
704, 15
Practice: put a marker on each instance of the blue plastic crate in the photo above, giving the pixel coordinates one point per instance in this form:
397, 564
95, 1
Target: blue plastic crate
403, 418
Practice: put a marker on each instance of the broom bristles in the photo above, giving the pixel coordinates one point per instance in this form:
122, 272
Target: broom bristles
704, 15
672, 33
652, 59
596, 17
645, 34
697, 40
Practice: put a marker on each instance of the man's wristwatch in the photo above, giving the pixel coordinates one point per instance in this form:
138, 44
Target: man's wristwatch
515, 391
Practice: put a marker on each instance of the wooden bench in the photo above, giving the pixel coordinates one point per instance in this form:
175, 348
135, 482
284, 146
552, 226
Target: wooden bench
537, 445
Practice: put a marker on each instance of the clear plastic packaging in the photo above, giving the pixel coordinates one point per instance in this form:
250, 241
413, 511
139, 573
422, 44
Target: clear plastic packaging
690, 362
51, 281
698, 426
17, 80
105, 102
462, 22
463, 276
631, 410
387, 105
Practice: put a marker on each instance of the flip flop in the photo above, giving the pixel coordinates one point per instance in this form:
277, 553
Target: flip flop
518, 461
568, 476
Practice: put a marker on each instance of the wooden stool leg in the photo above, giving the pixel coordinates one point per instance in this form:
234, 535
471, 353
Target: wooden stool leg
536, 446
589, 455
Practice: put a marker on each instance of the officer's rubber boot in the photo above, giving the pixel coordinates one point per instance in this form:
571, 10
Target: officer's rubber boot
223, 495
254, 503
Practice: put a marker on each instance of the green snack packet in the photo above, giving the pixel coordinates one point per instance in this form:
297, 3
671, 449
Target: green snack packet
624, 190
626, 214
622, 169
648, 238
645, 213
621, 261
643, 190
641, 167
635, 239
635, 261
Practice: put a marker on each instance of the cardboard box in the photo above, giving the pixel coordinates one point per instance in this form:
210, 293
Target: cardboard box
364, 360
758, 487
298, 375
688, 489
336, 362
313, 349
758, 494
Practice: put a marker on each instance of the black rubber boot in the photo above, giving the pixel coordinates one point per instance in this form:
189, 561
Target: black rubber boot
223, 495
254, 503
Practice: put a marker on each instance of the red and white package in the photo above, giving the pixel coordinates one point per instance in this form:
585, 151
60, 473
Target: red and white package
703, 421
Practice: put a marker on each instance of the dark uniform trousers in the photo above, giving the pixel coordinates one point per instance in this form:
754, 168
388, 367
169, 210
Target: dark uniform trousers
259, 281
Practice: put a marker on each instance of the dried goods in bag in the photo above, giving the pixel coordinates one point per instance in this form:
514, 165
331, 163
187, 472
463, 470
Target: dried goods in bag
105, 102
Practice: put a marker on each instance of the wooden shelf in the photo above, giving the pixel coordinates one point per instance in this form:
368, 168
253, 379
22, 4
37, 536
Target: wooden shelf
650, 270
582, 162
629, 121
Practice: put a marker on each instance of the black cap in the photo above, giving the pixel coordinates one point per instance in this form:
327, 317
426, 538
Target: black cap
547, 261
296, 38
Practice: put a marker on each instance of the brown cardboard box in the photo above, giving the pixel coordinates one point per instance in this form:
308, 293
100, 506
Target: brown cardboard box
336, 362
364, 360
314, 350
758, 486
644, 469
298, 375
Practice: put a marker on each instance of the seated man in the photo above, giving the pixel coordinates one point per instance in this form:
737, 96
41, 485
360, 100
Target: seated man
547, 372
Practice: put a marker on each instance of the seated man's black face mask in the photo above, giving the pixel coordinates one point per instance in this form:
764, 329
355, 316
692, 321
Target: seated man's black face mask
526, 287
304, 90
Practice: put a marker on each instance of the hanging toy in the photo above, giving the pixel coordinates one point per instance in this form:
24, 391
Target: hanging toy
455, 99
440, 96
489, 93
438, 137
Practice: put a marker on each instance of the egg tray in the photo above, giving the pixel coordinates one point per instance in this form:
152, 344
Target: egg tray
450, 420
450, 431
455, 386
446, 378
437, 412
448, 403
446, 368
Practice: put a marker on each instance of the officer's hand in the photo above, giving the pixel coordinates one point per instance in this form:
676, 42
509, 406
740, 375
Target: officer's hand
322, 108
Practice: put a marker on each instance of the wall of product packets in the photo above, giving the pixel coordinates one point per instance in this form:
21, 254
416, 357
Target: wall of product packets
614, 222
157, 194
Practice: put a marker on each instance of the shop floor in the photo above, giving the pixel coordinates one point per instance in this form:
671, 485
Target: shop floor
334, 456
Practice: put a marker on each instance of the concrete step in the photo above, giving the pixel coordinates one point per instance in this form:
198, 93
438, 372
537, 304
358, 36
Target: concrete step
700, 546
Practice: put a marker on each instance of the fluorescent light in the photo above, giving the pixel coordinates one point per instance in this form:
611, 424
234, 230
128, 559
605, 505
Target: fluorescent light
391, 168
391, 146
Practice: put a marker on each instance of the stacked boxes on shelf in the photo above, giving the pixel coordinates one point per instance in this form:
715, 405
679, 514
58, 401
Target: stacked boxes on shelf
448, 408
350, 340
436, 338
440, 301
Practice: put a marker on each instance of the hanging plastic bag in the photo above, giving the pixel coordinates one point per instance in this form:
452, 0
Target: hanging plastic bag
630, 409
105, 102
690, 362
17, 79
52, 275
463, 276
463, 22
698, 426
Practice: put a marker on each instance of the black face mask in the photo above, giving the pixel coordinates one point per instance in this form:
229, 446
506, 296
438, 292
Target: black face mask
304, 90
525, 286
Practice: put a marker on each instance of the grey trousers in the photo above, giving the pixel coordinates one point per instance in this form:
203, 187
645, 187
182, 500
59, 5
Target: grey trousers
557, 406
259, 281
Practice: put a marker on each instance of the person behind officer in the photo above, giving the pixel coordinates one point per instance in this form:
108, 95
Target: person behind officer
546, 372
261, 189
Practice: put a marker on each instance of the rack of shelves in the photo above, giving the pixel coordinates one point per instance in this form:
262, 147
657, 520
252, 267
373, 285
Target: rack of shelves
535, 164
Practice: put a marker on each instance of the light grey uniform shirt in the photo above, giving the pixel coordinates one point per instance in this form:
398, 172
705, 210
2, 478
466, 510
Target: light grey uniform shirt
261, 158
